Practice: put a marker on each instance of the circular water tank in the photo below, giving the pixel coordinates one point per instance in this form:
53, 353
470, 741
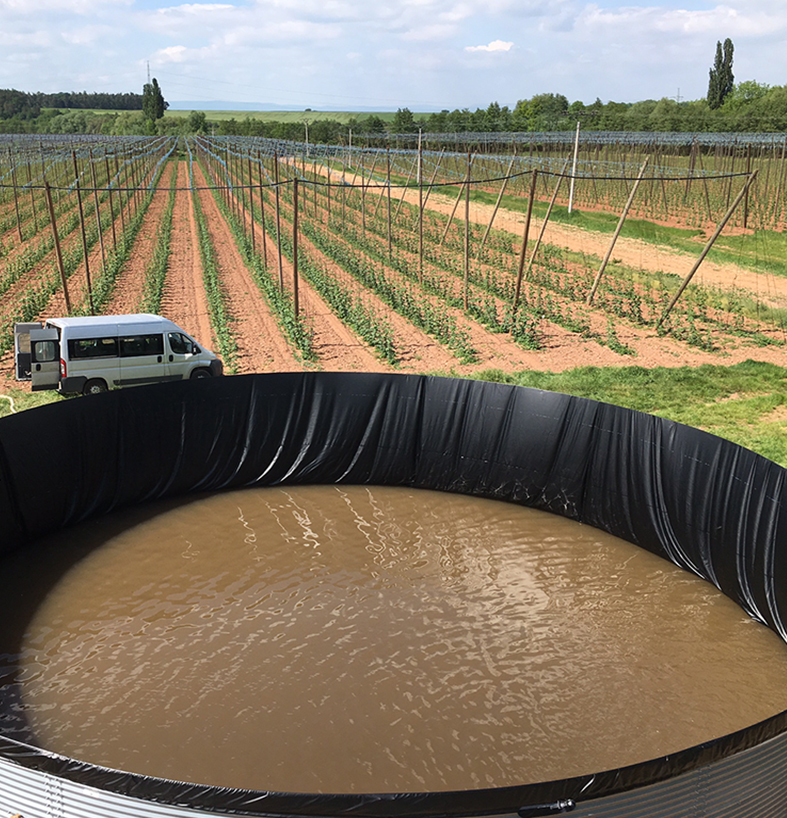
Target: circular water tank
707, 505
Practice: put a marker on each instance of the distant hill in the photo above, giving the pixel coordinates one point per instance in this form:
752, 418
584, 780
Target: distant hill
224, 105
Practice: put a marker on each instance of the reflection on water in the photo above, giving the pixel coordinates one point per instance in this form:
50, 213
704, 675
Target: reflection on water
351, 639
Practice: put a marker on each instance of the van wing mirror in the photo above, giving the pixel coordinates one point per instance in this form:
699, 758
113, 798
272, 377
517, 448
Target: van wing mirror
195, 350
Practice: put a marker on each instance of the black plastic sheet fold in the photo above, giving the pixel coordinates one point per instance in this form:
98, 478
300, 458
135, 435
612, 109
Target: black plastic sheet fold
707, 505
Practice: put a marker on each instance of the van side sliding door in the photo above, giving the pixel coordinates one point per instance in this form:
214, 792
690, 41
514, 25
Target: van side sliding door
142, 359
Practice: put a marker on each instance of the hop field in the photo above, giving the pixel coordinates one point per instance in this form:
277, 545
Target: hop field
286, 256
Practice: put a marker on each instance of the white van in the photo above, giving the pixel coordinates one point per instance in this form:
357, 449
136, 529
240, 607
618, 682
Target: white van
92, 354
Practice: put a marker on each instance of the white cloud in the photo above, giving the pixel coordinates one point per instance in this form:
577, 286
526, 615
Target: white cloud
495, 45
173, 53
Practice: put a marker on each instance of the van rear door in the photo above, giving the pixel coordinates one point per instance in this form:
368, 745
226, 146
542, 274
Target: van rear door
22, 349
44, 359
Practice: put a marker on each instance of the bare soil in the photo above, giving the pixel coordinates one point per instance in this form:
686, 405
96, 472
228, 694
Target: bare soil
130, 283
183, 300
262, 346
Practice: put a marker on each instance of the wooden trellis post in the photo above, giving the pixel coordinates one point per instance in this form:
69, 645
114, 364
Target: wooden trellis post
497, 206
262, 214
467, 229
98, 213
251, 208
16, 195
592, 293
111, 203
546, 219
58, 252
708, 246
295, 244
278, 217
84, 232
388, 174
32, 196
533, 181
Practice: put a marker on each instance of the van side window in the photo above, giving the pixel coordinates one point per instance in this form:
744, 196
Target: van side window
179, 344
44, 351
92, 348
134, 345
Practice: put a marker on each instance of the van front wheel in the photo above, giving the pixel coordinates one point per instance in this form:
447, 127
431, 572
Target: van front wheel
200, 373
94, 386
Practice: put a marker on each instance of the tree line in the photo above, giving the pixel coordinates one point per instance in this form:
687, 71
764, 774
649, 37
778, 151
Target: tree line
28, 106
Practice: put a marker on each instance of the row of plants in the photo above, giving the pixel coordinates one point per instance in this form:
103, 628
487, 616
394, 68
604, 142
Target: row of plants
295, 327
156, 269
524, 326
558, 284
348, 306
30, 256
218, 303
37, 296
116, 258
625, 293
427, 313
33, 215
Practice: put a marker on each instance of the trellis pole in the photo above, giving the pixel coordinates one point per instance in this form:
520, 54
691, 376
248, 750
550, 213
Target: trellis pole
111, 204
524, 243
388, 173
497, 206
295, 244
708, 246
98, 212
251, 207
122, 214
84, 233
32, 195
16, 195
467, 230
573, 172
58, 251
592, 293
278, 217
546, 219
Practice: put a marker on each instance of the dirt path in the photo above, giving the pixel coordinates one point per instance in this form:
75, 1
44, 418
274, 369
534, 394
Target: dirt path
129, 285
183, 299
262, 346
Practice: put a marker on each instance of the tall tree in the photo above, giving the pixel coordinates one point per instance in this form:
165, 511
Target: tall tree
153, 102
403, 121
722, 80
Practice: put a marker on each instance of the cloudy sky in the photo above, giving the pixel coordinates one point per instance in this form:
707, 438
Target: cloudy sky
386, 54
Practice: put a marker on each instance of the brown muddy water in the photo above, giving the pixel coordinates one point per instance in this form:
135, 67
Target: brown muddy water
366, 639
